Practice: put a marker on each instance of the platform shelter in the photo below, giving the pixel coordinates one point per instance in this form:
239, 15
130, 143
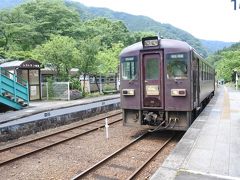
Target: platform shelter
28, 70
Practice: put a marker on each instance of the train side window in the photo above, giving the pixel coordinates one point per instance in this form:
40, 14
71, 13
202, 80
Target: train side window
129, 68
205, 72
177, 66
200, 70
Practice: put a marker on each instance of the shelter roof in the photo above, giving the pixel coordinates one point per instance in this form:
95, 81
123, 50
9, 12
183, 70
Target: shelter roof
21, 64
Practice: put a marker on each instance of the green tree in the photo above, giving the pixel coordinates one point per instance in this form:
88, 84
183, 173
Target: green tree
226, 61
108, 31
108, 59
60, 51
52, 17
87, 60
16, 30
230, 61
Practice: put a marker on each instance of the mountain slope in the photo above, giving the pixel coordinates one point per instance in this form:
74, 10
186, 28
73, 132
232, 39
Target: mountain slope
138, 23
143, 23
214, 46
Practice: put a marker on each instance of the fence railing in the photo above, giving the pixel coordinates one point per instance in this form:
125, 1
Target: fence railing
13, 87
55, 91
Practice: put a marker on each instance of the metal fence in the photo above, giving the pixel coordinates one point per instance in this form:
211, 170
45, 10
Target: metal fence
55, 91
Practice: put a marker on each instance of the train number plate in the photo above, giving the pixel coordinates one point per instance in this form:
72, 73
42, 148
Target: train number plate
152, 90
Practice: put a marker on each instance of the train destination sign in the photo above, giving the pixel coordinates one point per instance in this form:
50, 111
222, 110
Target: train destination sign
129, 59
177, 56
150, 41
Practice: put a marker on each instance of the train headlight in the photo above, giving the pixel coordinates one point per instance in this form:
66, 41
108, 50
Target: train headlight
178, 92
128, 92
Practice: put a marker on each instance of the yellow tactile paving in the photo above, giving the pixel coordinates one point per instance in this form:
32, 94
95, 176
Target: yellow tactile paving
225, 115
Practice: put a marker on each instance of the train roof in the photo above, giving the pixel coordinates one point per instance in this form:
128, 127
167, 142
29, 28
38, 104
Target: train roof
164, 44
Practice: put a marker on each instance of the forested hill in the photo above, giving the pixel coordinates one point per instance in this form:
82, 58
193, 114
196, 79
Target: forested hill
214, 46
226, 62
143, 23
138, 23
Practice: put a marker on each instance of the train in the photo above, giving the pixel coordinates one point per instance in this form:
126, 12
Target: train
164, 84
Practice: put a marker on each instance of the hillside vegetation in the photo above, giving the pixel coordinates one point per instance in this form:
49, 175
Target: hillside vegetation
214, 46
146, 24
226, 62
53, 33
71, 35
138, 23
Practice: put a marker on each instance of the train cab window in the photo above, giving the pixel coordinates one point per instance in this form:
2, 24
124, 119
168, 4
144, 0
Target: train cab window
152, 69
177, 66
129, 68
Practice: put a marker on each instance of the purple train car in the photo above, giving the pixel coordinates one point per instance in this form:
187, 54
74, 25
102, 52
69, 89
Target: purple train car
164, 84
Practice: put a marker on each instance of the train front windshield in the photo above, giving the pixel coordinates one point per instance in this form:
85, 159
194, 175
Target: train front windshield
177, 66
129, 68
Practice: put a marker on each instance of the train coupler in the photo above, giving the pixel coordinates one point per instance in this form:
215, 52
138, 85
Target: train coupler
153, 118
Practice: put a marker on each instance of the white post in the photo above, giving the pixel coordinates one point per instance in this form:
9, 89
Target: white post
89, 84
68, 84
236, 81
101, 87
106, 127
47, 90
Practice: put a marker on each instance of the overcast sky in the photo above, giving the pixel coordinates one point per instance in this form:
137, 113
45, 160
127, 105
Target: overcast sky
204, 19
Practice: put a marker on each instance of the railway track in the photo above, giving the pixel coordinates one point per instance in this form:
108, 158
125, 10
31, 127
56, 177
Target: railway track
127, 162
21, 150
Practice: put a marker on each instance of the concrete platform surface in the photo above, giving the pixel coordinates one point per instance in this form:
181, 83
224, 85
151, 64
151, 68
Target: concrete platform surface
41, 106
43, 115
210, 149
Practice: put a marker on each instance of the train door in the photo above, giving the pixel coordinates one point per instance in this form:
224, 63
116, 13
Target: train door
195, 67
152, 81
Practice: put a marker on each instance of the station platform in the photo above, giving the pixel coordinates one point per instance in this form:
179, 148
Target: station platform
210, 149
41, 115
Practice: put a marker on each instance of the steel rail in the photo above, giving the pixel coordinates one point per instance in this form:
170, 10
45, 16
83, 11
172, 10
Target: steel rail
108, 157
53, 144
150, 158
59, 132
